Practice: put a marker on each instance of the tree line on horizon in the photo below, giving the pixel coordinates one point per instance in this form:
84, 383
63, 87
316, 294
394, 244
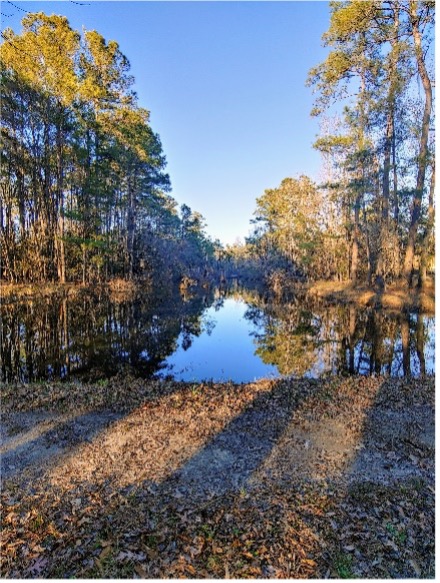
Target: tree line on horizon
84, 192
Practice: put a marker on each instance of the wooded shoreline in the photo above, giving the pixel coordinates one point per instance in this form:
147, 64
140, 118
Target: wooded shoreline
113, 472
393, 297
85, 194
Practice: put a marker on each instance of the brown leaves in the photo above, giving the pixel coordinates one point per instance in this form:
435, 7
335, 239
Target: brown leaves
127, 505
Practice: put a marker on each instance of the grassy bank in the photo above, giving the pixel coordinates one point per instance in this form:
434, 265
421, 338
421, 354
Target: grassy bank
273, 479
394, 297
13, 292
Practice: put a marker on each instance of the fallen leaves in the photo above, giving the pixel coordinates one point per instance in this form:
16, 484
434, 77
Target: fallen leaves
140, 515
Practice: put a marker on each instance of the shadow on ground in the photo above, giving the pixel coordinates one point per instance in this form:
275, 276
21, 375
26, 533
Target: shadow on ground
278, 479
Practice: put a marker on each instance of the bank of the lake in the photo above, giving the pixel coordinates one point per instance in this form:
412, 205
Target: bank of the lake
22, 291
393, 297
278, 478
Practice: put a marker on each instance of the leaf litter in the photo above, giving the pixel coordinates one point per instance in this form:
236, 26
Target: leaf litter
273, 479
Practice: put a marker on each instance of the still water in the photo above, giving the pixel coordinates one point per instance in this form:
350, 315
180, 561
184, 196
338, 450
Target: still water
216, 336
225, 351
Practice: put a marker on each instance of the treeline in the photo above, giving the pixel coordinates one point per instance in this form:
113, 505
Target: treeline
84, 193
373, 214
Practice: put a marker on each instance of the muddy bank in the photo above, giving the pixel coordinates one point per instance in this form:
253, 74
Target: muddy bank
296, 478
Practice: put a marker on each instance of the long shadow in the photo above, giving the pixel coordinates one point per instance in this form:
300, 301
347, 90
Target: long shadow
398, 433
31, 439
223, 465
227, 461
47, 436
387, 494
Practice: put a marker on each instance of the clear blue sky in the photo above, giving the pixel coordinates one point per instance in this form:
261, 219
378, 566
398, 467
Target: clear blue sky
225, 84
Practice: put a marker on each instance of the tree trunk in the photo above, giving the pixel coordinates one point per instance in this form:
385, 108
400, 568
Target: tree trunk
355, 247
359, 188
381, 267
428, 231
131, 220
61, 252
423, 149
393, 117
59, 208
395, 196
387, 163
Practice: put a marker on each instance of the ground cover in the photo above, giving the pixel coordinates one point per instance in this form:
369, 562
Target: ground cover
273, 479
392, 297
116, 287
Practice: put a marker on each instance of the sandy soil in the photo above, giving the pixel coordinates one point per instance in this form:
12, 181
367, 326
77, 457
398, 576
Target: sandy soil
306, 447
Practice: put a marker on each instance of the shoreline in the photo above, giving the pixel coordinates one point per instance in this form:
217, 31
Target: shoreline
394, 298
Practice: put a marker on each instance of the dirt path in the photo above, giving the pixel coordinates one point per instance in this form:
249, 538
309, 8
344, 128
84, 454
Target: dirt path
31, 441
270, 433
242, 451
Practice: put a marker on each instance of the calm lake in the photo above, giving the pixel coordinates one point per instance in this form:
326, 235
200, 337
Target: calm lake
218, 336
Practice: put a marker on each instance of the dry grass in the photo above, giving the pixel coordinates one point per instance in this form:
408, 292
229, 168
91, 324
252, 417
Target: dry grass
13, 292
394, 298
119, 289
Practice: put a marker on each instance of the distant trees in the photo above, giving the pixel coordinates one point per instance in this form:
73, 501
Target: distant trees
291, 215
83, 182
85, 195
299, 230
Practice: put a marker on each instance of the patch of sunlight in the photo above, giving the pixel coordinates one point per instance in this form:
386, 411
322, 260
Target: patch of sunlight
156, 439
323, 437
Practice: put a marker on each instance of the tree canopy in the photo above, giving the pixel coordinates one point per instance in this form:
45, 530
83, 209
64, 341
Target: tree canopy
83, 182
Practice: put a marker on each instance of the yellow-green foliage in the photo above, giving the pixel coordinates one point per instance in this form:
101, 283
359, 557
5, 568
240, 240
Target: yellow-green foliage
43, 55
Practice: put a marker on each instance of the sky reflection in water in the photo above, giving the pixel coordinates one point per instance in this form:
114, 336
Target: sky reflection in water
244, 343
224, 351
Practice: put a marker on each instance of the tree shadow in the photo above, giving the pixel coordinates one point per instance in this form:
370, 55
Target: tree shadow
270, 482
45, 436
381, 524
227, 461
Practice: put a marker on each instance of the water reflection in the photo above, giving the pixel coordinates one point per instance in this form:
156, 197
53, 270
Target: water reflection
227, 353
94, 335
321, 340
219, 336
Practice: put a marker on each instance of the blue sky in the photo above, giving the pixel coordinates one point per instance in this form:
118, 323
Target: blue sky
225, 84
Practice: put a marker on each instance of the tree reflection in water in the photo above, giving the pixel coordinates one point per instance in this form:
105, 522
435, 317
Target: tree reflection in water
93, 335
316, 339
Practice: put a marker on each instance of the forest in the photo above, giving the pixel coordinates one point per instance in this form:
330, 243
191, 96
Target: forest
373, 214
84, 188
175, 407
85, 193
